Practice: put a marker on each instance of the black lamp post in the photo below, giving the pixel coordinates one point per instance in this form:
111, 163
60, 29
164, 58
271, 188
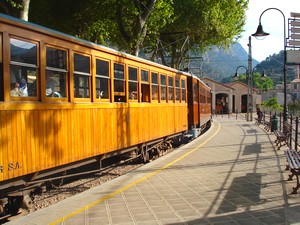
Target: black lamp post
249, 76
260, 33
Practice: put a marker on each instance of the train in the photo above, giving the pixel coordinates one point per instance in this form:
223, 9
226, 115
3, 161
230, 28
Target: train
66, 102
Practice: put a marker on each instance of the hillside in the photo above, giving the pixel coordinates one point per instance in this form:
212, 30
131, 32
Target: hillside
220, 64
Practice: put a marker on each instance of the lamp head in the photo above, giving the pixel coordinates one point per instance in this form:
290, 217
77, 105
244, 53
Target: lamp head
236, 76
263, 76
260, 32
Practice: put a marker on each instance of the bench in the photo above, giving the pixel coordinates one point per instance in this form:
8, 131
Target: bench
267, 125
282, 137
293, 160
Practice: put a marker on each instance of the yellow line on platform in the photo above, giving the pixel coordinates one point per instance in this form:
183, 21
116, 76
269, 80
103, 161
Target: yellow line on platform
135, 182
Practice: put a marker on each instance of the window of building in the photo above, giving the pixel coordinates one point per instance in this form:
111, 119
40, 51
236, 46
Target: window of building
102, 79
163, 87
154, 78
82, 76
170, 89
119, 83
132, 83
56, 72
145, 86
23, 68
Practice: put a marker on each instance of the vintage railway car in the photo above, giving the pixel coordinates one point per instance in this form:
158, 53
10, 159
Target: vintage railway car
199, 105
66, 102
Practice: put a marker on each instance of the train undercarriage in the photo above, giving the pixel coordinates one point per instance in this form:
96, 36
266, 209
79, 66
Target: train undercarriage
18, 193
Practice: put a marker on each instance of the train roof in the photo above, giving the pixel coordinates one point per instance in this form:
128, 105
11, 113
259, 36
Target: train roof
39, 28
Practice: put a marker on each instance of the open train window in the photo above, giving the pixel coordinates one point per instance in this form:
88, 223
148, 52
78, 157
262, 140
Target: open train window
23, 68
132, 83
56, 73
183, 91
145, 86
170, 89
102, 79
82, 76
119, 83
154, 78
177, 89
163, 87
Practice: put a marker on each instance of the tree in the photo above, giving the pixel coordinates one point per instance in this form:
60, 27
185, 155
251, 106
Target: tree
203, 24
160, 27
272, 104
24, 10
260, 83
16, 8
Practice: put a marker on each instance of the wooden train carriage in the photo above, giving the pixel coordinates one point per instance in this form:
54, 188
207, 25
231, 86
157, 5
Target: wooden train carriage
64, 100
199, 104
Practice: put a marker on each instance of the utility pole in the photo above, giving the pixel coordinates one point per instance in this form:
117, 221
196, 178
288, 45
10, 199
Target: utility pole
250, 84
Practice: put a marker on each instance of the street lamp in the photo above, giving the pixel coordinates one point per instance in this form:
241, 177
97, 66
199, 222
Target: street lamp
249, 76
260, 33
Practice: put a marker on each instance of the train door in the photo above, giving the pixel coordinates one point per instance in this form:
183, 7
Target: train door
193, 102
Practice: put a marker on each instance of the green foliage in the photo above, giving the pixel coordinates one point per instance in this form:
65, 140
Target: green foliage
272, 104
273, 66
294, 108
258, 82
161, 27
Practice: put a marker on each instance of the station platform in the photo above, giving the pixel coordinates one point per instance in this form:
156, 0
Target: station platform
232, 174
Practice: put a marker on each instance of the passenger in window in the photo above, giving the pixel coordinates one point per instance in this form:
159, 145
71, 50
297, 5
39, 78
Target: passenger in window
20, 89
49, 86
132, 95
15, 92
23, 88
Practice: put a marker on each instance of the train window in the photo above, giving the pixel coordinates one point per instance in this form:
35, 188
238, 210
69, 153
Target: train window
23, 68
132, 83
163, 87
183, 91
102, 79
56, 72
170, 89
82, 76
145, 86
195, 92
154, 77
119, 83
177, 89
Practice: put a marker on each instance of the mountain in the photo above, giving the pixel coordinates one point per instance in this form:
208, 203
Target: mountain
221, 64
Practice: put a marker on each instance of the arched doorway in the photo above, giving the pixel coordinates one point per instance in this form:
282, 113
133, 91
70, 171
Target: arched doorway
244, 103
221, 103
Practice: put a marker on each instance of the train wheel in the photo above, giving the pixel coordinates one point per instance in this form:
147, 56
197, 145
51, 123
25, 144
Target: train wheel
145, 156
3, 202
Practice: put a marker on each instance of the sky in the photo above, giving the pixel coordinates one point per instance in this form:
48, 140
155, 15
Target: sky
272, 21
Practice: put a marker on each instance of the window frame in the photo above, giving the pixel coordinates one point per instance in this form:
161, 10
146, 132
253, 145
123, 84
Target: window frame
145, 87
133, 82
122, 95
66, 71
25, 65
172, 86
82, 74
156, 85
100, 76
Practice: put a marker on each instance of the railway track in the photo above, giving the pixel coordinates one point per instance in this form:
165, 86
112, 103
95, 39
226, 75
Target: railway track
55, 191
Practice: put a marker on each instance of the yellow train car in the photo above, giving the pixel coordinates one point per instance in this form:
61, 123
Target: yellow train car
199, 106
66, 102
